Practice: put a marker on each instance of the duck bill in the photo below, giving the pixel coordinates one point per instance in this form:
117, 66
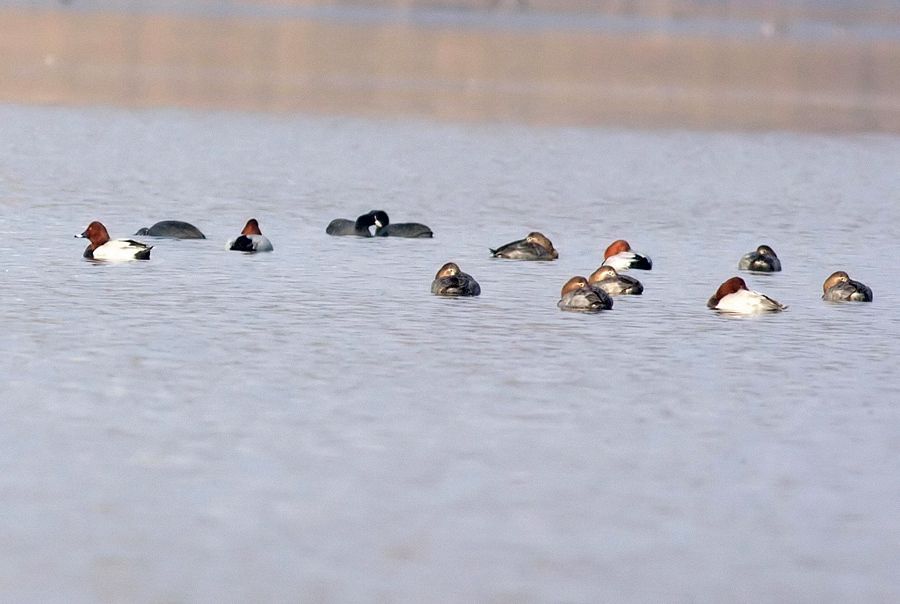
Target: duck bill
82, 235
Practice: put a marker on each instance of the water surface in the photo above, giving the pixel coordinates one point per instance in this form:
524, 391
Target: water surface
312, 424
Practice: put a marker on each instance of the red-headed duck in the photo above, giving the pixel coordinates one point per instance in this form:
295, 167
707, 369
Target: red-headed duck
104, 248
534, 247
410, 230
620, 256
763, 260
251, 239
609, 280
452, 282
734, 297
577, 295
839, 287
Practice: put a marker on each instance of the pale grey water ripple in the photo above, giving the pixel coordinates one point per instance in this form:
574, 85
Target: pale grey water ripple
313, 422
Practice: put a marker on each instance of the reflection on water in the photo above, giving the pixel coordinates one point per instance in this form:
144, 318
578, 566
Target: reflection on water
212, 426
825, 67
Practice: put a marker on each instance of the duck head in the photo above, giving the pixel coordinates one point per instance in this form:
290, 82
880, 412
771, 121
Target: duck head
451, 269
617, 246
836, 278
573, 284
251, 228
735, 284
96, 233
602, 274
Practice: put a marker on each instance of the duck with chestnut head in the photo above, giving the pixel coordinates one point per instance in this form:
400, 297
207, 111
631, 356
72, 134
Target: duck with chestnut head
734, 297
251, 239
577, 295
101, 247
620, 256
839, 287
452, 282
535, 246
609, 280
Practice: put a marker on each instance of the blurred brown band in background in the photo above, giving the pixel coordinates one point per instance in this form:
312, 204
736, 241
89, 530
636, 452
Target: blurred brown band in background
558, 76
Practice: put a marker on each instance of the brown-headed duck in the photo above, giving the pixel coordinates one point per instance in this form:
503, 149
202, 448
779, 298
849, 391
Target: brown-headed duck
734, 297
577, 295
251, 239
609, 280
620, 256
534, 247
839, 287
104, 248
452, 282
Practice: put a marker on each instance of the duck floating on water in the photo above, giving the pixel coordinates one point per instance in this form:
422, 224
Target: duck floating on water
734, 297
452, 282
535, 246
577, 295
610, 281
620, 256
763, 260
104, 248
839, 287
251, 239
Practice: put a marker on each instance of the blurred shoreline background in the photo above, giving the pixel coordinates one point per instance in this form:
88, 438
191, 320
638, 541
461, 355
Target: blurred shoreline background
824, 66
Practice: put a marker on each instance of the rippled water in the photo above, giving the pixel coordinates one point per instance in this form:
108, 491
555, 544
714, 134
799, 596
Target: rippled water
313, 425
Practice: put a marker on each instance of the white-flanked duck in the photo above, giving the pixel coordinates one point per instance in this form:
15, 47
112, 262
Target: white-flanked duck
104, 248
734, 297
620, 256
251, 239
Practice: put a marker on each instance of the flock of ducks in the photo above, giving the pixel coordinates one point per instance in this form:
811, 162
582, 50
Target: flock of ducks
580, 294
